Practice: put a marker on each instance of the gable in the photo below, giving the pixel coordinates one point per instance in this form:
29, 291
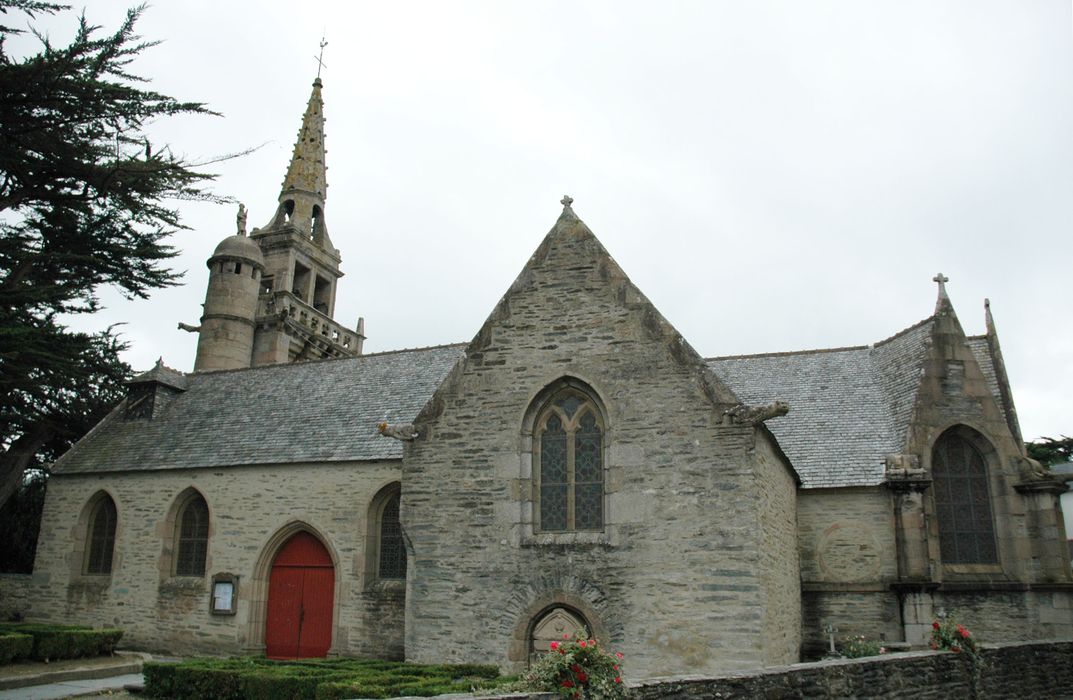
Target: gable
573, 306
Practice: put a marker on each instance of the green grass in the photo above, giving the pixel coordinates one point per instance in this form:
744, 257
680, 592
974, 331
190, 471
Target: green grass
257, 678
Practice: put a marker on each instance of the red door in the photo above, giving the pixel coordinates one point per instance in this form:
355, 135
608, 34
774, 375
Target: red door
301, 589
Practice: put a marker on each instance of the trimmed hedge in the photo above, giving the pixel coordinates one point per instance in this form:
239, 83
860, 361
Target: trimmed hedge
51, 642
14, 646
255, 678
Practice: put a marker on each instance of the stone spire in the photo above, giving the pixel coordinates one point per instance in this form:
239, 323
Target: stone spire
306, 174
305, 187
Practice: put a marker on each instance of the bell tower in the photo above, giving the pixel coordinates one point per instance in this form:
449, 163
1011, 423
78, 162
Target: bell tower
283, 309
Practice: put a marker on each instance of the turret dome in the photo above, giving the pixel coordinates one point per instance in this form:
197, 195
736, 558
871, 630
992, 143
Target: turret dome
238, 246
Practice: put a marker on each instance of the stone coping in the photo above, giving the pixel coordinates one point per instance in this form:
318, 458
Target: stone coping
21, 674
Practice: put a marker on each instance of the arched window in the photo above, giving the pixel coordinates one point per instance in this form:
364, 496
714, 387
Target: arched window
962, 502
392, 551
568, 458
192, 537
100, 543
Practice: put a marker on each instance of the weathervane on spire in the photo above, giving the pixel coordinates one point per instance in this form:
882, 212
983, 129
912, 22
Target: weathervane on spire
320, 58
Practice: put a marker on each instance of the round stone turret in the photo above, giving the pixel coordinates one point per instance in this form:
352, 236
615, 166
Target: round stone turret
227, 324
240, 247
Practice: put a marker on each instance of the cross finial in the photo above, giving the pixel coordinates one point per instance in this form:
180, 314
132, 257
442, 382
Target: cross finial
942, 280
567, 200
320, 58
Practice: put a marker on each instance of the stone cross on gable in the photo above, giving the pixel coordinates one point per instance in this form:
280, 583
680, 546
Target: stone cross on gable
320, 58
942, 280
566, 201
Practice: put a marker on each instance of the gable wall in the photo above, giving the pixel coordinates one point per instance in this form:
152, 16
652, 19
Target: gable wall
247, 506
954, 391
675, 579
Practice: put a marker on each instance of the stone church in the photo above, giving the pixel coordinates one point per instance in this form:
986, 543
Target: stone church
577, 464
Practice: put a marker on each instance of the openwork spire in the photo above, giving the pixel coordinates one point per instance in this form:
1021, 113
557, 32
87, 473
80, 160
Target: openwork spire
306, 173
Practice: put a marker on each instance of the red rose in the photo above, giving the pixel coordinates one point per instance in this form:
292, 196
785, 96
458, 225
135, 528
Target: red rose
618, 655
568, 684
935, 625
581, 644
554, 646
581, 677
618, 679
575, 668
963, 632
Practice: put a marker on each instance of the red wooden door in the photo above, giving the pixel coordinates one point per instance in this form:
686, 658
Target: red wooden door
301, 589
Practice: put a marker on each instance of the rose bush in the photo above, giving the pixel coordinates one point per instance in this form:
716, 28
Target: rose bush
578, 668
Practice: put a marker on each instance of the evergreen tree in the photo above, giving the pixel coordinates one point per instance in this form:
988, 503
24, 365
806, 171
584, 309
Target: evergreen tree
83, 203
1049, 451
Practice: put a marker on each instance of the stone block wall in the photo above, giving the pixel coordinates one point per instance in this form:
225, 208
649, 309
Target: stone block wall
779, 560
675, 579
848, 561
250, 510
1010, 671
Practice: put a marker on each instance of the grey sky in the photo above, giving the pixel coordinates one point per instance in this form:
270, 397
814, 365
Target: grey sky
773, 175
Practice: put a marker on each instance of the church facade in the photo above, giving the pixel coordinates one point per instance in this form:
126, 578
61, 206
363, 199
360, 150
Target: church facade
576, 465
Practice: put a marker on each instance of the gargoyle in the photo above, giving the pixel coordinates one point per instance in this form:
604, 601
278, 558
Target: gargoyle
188, 328
751, 415
405, 432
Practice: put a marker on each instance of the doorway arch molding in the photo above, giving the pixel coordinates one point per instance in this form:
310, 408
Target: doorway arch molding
262, 571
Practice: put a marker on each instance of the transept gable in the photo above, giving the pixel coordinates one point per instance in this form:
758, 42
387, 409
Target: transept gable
571, 294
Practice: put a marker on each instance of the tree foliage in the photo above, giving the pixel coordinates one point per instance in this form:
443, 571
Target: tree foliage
84, 198
1049, 451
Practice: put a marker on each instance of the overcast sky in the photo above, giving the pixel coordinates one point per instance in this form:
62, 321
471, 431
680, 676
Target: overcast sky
774, 176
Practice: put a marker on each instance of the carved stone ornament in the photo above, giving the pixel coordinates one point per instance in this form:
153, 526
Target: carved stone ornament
904, 473
751, 415
405, 431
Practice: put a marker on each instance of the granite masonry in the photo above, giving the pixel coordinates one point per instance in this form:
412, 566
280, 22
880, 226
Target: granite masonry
576, 466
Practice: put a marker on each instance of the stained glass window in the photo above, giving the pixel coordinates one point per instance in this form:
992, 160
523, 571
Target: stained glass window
102, 524
963, 503
392, 550
193, 538
571, 473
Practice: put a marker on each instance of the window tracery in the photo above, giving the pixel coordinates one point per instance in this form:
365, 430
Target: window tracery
963, 502
568, 443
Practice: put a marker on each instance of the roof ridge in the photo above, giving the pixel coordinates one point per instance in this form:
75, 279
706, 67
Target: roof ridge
787, 353
902, 332
216, 372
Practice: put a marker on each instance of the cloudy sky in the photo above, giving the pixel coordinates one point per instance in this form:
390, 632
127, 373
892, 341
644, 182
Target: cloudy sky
773, 175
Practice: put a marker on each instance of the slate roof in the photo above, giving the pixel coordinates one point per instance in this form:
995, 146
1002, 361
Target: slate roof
978, 345
849, 407
839, 428
304, 412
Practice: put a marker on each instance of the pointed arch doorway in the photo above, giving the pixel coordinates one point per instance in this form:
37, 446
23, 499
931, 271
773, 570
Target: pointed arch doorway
301, 591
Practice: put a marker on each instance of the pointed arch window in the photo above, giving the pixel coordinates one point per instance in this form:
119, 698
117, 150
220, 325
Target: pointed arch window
963, 502
568, 456
392, 551
192, 537
101, 538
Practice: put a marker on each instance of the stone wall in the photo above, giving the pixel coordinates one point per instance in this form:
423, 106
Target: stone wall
1026, 670
779, 561
252, 511
675, 579
848, 561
